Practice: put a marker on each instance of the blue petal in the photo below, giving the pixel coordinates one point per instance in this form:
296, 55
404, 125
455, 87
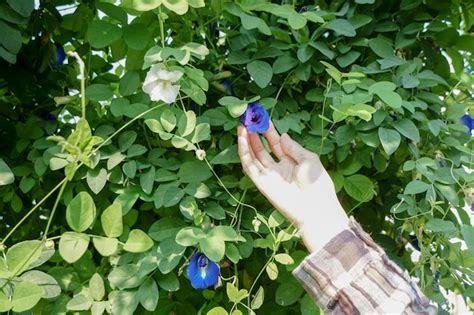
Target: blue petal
467, 121
204, 277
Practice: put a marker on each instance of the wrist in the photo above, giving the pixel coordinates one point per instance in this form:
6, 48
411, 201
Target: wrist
317, 231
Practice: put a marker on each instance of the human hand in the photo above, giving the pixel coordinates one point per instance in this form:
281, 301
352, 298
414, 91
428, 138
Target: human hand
297, 185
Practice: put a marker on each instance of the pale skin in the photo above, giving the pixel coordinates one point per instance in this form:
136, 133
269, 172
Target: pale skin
296, 184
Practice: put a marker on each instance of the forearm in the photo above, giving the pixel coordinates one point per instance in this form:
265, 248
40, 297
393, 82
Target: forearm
351, 274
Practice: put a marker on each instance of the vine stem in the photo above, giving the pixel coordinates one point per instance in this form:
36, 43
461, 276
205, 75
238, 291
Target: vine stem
56, 203
83, 80
33, 210
225, 188
162, 31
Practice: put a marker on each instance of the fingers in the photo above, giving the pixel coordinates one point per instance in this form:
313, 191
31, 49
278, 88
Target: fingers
294, 149
250, 164
273, 139
259, 151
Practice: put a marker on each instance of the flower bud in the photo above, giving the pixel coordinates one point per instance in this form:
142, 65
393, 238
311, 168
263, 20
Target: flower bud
200, 154
256, 224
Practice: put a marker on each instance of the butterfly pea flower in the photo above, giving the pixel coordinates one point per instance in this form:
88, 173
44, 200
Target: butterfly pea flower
202, 272
468, 121
255, 118
159, 83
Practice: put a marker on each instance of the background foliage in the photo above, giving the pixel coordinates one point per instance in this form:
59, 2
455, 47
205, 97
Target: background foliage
103, 216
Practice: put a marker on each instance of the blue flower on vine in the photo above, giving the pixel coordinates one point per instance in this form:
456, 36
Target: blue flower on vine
468, 121
255, 118
202, 272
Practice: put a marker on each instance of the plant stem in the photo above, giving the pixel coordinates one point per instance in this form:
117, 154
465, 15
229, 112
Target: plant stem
33, 210
56, 203
162, 31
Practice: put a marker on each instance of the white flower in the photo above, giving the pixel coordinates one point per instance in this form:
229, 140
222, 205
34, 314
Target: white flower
159, 83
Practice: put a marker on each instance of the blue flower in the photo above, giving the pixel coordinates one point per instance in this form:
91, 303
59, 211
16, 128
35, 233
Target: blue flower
468, 70
468, 121
255, 118
202, 272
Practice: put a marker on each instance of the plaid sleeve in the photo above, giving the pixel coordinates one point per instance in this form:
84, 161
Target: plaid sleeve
353, 275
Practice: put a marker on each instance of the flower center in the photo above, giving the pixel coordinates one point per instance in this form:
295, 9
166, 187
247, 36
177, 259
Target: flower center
202, 262
255, 118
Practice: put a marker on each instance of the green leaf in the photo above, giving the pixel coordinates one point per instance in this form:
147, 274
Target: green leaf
257, 300
468, 235
218, 310
6, 174
22, 7
148, 294
129, 83
123, 302
5, 303
234, 294
167, 195
186, 123
347, 59
168, 120
341, 26
324, 49
288, 293
416, 187
11, 38
165, 228
384, 90
284, 63
48, 285
136, 36
213, 247
228, 156
226, 233
359, 187
99, 92
261, 72
307, 304
21, 255
250, 22
178, 6
390, 140
138, 242
111, 220
407, 128
81, 212
73, 245
382, 47
439, 225
147, 179
169, 282
145, 5
96, 287
25, 296
79, 302
272, 270
192, 172
105, 246
189, 236
284, 259
101, 34
201, 132
96, 179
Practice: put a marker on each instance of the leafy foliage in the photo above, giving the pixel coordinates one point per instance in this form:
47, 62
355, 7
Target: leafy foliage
107, 194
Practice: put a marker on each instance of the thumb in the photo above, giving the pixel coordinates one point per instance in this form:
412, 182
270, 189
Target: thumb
294, 149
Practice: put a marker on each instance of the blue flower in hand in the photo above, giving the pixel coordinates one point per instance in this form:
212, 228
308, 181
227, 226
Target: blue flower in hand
255, 118
202, 272
468, 121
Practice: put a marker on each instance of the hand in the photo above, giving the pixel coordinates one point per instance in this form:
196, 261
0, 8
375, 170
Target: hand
297, 185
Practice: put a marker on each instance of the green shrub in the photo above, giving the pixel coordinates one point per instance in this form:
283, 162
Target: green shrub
105, 194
